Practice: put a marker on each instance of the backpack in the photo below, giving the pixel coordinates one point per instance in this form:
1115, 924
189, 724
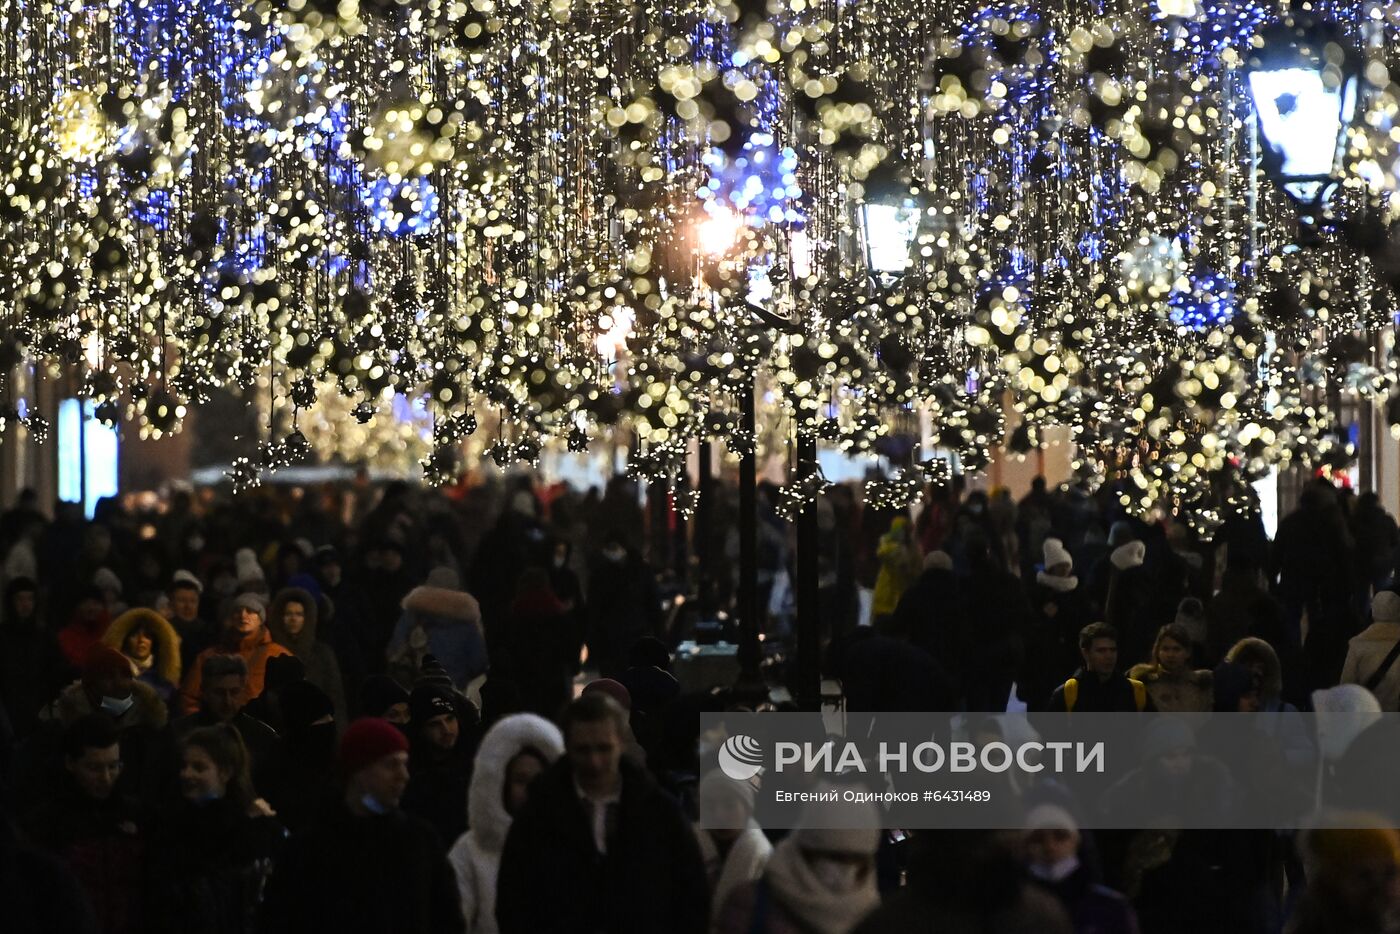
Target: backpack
1071, 688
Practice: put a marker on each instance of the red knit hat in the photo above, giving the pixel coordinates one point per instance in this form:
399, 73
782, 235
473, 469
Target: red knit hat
103, 661
614, 689
368, 740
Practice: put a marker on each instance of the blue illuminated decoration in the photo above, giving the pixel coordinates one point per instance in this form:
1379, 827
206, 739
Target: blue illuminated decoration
1216, 26
1209, 303
760, 183
401, 208
1025, 83
154, 209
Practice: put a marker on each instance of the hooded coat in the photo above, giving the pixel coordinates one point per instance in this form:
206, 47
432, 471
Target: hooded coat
164, 672
476, 856
256, 650
317, 658
450, 625
1366, 652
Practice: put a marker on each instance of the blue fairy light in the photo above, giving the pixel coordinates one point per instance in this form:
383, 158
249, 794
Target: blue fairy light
1208, 303
400, 208
761, 182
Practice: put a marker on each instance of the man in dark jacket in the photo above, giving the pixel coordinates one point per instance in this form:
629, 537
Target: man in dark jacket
92, 827
1098, 687
440, 761
599, 848
223, 680
364, 865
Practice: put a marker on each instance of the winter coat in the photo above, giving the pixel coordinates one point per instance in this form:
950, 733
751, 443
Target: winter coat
553, 880
1116, 695
164, 673
437, 787
932, 614
1187, 692
147, 710
476, 856
209, 865
1093, 908
539, 641
363, 875
32, 670
1366, 651
38, 891
317, 658
101, 843
910, 910
445, 624
1052, 641
899, 565
741, 865
255, 650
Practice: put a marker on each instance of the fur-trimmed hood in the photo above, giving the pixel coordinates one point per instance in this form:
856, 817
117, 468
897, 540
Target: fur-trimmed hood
486, 811
147, 710
445, 605
303, 642
166, 639
1250, 652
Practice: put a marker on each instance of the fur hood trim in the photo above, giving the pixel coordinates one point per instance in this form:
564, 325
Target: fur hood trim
455, 605
167, 640
486, 811
304, 641
1250, 652
147, 710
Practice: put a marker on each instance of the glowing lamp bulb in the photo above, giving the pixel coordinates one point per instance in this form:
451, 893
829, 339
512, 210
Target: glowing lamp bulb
719, 232
79, 127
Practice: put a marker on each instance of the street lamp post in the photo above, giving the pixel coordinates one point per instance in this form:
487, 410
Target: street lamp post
1304, 81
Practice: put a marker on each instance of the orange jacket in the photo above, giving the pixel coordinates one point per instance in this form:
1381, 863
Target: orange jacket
256, 650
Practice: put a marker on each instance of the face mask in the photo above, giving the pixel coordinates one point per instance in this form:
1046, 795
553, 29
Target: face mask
116, 706
372, 805
1056, 871
836, 876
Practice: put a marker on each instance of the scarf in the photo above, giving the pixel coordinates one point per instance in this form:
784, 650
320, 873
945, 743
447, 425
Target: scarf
1056, 583
138, 667
816, 907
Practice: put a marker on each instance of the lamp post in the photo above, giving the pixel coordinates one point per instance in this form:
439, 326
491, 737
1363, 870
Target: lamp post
1304, 81
889, 215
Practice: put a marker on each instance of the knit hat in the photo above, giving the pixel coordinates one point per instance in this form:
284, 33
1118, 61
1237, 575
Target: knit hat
443, 578
104, 661
1120, 533
246, 567
1191, 613
856, 831
250, 601
1385, 607
1056, 554
428, 701
938, 561
431, 671
1050, 816
186, 577
303, 703
379, 693
1128, 555
366, 742
614, 689
1343, 712
716, 787
106, 580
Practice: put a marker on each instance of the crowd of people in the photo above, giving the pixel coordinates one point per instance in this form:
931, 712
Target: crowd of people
394, 709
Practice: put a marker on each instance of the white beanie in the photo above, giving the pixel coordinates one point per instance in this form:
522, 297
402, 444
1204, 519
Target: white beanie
106, 579
1056, 554
1050, 816
186, 577
246, 566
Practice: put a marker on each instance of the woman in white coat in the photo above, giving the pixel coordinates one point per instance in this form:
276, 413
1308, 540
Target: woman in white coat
736, 851
512, 753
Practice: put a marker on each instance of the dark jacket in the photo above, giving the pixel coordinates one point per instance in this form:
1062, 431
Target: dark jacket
1116, 695
1052, 642
437, 789
101, 843
1093, 908
209, 864
554, 881
40, 895
363, 875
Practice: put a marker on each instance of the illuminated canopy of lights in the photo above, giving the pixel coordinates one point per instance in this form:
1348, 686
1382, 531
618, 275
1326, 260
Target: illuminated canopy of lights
559, 218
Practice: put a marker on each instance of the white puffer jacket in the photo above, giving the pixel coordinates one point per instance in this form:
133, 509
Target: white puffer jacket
476, 856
